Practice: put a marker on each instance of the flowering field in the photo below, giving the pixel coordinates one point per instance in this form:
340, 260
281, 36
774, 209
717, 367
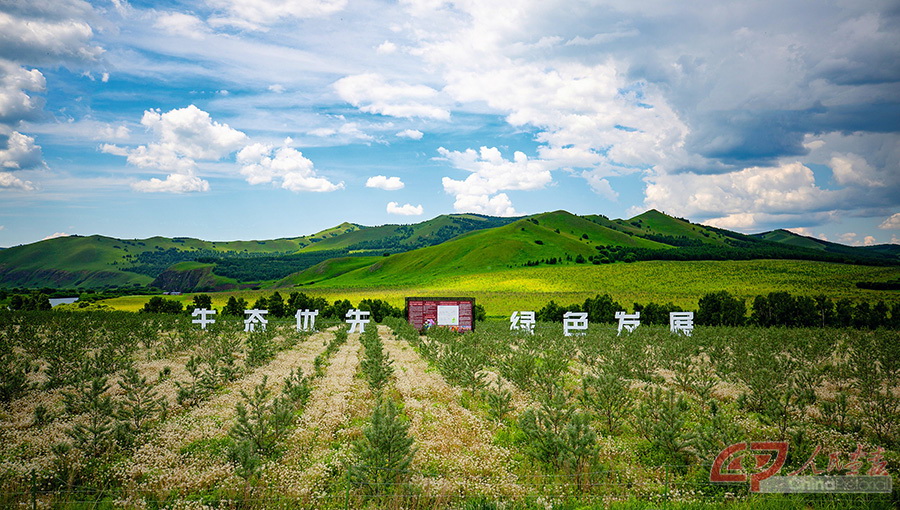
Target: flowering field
103, 410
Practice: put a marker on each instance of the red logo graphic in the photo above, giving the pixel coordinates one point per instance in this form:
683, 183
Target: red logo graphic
762, 459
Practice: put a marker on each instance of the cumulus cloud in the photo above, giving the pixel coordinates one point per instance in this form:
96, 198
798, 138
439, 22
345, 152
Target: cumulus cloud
744, 200
891, 223
15, 102
191, 133
18, 151
852, 169
617, 88
385, 183
412, 134
405, 209
35, 38
10, 181
372, 94
258, 14
491, 173
181, 137
264, 163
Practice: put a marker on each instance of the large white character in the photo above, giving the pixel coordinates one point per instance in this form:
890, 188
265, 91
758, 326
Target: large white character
306, 320
681, 322
355, 319
203, 321
255, 317
574, 321
628, 321
522, 321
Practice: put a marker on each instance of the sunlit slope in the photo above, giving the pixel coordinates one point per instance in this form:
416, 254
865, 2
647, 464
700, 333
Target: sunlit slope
97, 261
329, 269
789, 238
659, 226
528, 240
583, 229
407, 237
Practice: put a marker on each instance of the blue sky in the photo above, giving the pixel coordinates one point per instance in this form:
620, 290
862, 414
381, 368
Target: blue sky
258, 119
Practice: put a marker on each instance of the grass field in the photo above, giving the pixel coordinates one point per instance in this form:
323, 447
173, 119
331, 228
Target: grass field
682, 283
148, 411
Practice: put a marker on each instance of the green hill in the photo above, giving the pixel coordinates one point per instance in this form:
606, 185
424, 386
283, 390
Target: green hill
558, 237
883, 252
326, 270
352, 255
400, 238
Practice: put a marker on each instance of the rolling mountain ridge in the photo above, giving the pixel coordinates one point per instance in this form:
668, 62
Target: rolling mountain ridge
356, 256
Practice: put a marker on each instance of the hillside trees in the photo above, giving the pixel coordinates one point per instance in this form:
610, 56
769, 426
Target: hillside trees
720, 309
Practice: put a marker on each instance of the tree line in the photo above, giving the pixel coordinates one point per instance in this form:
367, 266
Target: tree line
722, 309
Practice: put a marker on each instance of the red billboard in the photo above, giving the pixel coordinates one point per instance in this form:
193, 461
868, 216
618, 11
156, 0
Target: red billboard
457, 314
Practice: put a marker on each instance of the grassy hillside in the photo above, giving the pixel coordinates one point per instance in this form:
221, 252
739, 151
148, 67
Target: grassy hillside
326, 270
400, 238
661, 227
447, 245
196, 276
504, 290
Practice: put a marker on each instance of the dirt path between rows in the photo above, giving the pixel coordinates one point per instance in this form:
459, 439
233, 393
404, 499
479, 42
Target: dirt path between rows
321, 443
455, 450
182, 454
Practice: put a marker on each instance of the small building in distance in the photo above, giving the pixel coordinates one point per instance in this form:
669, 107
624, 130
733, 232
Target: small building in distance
456, 313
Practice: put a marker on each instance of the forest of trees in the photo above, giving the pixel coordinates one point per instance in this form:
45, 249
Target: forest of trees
723, 309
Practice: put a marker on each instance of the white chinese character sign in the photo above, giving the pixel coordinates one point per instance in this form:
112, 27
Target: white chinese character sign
255, 317
575, 321
628, 322
306, 320
681, 322
522, 321
357, 319
202, 313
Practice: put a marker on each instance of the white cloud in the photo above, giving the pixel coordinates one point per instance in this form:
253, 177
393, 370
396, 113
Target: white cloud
263, 163
385, 183
490, 173
891, 223
55, 235
181, 24
42, 41
277, 88
412, 134
18, 151
386, 48
869, 241
189, 133
15, 103
740, 200
185, 182
348, 132
181, 137
115, 150
852, 169
257, 14
405, 209
372, 94
10, 181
